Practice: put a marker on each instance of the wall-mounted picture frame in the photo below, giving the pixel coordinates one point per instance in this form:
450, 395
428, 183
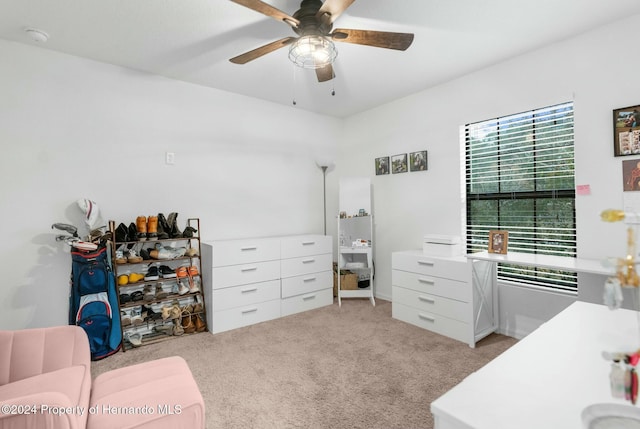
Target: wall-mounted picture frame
418, 161
631, 175
626, 131
382, 165
399, 163
498, 241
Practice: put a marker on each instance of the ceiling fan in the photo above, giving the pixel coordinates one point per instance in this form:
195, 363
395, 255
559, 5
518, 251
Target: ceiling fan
314, 47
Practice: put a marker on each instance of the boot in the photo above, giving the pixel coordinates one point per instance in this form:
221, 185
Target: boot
141, 225
163, 227
152, 228
133, 233
174, 232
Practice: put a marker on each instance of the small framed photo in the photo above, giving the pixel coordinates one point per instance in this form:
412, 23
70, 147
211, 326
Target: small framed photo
382, 165
498, 241
418, 161
399, 163
626, 131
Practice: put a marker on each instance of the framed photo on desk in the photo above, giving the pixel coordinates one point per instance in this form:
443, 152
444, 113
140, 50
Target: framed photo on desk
498, 241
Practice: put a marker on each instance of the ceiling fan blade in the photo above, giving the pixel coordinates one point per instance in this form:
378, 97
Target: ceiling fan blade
379, 39
262, 50
325, 73
266, 9
332, 9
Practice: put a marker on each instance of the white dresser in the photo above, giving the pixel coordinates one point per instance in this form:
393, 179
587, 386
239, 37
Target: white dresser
437, 293
255, 280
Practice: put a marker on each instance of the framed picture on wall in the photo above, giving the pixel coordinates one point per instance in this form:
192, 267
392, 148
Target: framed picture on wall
631, 175
626, 131
399, 163
418, 161
382, 165
498, 241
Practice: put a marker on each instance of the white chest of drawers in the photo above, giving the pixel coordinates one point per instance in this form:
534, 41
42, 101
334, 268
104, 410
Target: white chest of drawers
306, 271
255, 280
434, 293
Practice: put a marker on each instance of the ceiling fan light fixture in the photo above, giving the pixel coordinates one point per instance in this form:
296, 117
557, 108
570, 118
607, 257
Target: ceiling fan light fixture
312, 52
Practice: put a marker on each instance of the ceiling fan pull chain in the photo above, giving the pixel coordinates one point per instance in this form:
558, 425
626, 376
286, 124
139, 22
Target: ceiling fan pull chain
294, 86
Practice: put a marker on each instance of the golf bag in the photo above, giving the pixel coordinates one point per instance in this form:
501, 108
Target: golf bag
93, 300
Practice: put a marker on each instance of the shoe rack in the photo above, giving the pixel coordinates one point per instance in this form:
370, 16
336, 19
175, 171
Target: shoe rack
159, 280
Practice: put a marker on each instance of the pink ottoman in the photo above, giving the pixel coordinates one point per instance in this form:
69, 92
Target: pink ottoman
157, 394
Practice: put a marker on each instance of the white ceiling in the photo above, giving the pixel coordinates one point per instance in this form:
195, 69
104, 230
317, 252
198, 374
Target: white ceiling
192, 40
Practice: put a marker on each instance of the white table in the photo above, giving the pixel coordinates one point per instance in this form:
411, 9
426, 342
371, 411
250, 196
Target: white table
546, 379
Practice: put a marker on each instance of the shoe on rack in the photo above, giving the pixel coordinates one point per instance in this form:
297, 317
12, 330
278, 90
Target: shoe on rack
136, 316
120, 259
166, 272
144, 254
188, 232
182, 272
135, 277
187, 324
133, 233
124, 298
160, 293
163, 227
123, 279
183, 287
151, 314
149, 293
194, 284
174, 232
164, 329
133, 257
141, 226
199, 322
152, 228
152, 274
137, 296
135, 339
191, 252
122, 233
177, 328
125, 317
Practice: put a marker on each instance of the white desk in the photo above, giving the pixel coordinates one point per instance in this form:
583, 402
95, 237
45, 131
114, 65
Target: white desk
589, 266
546, 379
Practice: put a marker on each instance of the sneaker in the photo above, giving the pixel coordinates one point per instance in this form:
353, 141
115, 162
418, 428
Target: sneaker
152, 274
194, 284
191, 252
133, 257
135, 339
144, 254
136, 316
123, 279
125, 317
183, 287
120, 259
166, 272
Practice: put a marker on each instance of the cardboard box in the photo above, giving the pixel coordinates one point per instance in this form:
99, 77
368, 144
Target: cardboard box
348, 281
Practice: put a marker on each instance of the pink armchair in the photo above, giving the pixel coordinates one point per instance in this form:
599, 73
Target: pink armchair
45, 378
45, 382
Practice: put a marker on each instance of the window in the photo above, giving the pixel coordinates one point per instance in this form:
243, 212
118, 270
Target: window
520, 178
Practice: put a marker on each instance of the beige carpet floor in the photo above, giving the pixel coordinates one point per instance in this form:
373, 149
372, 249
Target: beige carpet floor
335, 367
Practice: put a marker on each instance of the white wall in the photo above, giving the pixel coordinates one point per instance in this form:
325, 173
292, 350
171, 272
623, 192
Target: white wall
73, 128
591, 70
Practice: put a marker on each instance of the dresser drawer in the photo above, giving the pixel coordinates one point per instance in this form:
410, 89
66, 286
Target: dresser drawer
243, 316
239, 296
450, 308
308, 301
235, 275
455, 268
234, 252
305, 245
292, 286
433, 322
454, 289
305, 265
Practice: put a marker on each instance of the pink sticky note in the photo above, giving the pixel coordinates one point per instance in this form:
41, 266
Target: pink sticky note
583, 189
